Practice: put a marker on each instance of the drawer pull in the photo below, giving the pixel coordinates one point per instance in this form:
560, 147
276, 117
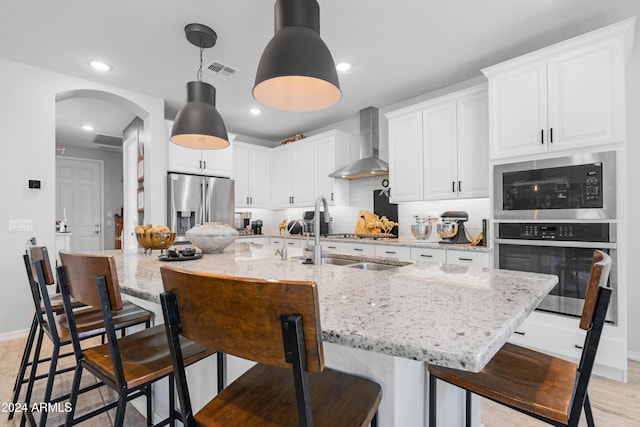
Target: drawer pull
578, 346
465, 259
358, 249
519, 333
331, 247
290, 243
426, 256
390, 252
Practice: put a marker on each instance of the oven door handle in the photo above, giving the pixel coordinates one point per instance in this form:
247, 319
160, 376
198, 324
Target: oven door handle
559, 243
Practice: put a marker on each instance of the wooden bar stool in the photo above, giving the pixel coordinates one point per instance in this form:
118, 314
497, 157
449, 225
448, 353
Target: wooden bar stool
277, 324
55, 326
548, 388
128, 365
36, 254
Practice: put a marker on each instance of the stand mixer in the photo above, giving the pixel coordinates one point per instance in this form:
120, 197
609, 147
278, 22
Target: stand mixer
451, 230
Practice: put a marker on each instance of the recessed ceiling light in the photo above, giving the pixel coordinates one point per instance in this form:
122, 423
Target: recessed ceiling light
255, 111
343, 66
100, 66
88, 128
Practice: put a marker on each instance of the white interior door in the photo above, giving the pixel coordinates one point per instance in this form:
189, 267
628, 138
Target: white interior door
79, 192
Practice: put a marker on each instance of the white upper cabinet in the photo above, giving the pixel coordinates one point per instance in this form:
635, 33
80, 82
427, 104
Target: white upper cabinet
201, 162
251, 173
332, 152
405, 156
438, 150
301, 169
569, 95
293, 172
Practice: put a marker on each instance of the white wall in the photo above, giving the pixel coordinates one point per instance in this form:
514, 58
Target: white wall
27, 136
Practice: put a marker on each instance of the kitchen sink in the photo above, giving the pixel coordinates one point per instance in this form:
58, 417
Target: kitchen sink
337, 261
363, 263
373, 266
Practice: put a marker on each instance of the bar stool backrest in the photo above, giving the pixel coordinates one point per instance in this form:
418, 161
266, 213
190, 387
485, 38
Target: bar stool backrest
242, 316
40, 253
81, 272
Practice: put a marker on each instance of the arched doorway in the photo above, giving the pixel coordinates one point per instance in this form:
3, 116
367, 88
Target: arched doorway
128, 157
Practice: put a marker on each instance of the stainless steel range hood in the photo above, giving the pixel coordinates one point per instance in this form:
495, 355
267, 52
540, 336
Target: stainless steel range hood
369, 163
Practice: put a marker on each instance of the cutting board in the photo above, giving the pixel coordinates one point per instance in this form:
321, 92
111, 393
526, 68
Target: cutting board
382, 207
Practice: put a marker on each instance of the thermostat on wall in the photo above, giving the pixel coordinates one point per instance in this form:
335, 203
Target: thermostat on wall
35, 183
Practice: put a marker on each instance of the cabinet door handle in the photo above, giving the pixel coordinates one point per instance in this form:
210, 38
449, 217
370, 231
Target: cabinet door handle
426, 256
453, 186
390, 252
465, 259
551, 135
519, 333
247, 199
358, 249
204, 164
459, 186
250, 200
541, 136
332, 197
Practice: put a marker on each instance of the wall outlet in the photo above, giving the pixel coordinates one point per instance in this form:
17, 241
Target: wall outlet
17, 225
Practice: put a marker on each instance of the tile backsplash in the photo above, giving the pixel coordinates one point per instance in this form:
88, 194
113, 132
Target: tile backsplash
361, 197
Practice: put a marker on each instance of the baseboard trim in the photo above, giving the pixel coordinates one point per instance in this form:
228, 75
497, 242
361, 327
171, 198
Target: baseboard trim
8, 336
634, 355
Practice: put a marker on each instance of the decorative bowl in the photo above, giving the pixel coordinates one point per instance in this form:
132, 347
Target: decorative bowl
158, 240
212, 237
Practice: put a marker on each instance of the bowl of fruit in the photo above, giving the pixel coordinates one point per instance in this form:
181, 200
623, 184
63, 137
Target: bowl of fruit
150, 237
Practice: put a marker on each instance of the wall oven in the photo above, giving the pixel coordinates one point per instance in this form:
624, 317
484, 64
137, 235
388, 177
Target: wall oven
564, 249
580, 187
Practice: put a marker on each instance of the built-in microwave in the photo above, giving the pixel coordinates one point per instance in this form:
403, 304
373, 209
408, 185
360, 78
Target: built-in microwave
573, 187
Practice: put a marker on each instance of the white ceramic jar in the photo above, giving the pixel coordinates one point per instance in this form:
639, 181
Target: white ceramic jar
212, 237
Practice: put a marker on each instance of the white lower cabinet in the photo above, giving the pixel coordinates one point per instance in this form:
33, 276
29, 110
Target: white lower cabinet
428, 254
349, 248
393, 251
291, 243
472, 259
256, 240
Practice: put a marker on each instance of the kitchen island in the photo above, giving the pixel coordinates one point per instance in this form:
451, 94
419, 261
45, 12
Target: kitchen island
381, 324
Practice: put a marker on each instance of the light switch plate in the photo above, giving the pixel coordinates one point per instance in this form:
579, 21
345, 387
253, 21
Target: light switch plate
17, 225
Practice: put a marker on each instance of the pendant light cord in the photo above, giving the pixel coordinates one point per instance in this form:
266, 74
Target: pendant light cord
199, 75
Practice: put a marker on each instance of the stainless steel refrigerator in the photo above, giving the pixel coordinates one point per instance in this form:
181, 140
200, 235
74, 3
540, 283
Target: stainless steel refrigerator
195, 199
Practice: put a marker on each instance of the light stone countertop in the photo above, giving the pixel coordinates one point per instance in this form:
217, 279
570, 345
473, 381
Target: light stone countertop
449, 315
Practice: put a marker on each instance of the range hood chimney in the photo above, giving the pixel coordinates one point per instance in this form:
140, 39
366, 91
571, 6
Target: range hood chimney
369, 163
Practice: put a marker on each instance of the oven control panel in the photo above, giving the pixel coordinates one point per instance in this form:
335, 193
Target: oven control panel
573, 231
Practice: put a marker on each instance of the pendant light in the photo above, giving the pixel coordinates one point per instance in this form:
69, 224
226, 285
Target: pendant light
296, 71
198, 124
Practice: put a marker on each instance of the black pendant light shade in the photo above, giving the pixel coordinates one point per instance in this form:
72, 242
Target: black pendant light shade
198, 124
296, 71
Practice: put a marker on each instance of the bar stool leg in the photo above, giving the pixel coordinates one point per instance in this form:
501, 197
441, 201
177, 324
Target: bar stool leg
32, 377
75, 390
467, 408
24, 363
52, 374
122, 405
432, 400
587, 411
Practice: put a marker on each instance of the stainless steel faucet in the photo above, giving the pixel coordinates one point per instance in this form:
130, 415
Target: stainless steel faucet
287, 231
317, 248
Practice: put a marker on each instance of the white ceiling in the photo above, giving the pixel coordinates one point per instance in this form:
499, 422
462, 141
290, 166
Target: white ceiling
399, 49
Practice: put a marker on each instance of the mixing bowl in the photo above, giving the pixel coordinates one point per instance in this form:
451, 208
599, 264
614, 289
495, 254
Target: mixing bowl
421, 231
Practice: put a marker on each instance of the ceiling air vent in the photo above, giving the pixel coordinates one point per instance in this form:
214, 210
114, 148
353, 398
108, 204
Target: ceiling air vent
107, 142
220, 70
